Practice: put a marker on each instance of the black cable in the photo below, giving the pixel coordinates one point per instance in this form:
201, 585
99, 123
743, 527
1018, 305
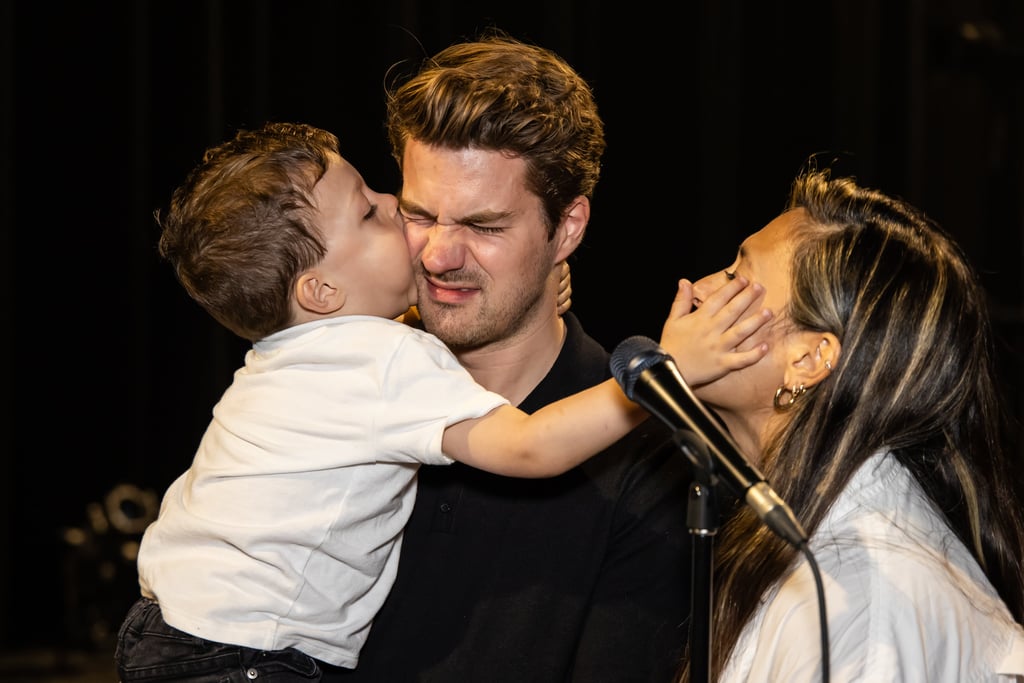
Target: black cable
822, 611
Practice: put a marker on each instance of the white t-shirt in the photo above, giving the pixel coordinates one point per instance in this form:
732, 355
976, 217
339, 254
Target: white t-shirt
905, 600
286, 529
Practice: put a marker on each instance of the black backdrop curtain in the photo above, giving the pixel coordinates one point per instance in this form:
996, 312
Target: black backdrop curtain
710, 110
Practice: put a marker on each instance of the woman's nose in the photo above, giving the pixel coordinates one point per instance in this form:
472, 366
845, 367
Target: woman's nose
702, 288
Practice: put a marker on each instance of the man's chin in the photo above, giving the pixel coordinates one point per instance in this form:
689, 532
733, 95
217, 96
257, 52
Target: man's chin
451, 324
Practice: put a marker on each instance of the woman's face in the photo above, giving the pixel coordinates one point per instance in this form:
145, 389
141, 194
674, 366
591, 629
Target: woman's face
764, 257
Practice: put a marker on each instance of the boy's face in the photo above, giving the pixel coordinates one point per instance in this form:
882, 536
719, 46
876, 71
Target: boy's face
367, 258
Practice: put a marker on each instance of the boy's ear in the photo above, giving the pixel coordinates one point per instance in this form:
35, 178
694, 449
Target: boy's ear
316, 295
813, 356
573, 226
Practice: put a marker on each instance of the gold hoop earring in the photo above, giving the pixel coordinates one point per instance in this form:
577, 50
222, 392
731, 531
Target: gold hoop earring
794, 393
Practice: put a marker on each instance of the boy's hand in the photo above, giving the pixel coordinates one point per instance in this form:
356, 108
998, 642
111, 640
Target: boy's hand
707, 341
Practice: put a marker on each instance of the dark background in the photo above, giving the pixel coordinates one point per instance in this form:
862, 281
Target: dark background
710, 108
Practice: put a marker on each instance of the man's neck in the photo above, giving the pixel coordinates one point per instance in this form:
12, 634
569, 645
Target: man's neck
514, 367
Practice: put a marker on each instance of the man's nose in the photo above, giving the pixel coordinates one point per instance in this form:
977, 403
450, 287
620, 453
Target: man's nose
444, 248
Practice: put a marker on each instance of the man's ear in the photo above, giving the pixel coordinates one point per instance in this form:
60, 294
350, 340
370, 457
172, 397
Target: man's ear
813, 356
574, 225
316, 295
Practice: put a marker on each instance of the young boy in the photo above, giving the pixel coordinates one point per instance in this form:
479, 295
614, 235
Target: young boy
306, 475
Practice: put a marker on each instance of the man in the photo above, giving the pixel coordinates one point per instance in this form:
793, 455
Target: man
583, 577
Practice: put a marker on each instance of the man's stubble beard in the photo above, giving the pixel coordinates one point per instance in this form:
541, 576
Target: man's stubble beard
485, 321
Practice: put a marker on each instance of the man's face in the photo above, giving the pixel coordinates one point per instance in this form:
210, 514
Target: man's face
481, 254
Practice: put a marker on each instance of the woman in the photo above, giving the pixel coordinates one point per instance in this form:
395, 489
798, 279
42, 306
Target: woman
876, 417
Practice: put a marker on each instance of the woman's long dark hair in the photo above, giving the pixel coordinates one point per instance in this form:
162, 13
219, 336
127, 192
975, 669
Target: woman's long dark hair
916, 375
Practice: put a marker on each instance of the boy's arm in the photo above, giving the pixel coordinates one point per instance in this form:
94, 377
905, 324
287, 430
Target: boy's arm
548, 442
705, 343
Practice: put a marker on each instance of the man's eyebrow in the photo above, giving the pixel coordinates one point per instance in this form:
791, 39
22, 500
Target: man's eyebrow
410, 207
478, 218
482, 217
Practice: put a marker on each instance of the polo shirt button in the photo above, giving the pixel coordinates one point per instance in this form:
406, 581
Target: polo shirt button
446, 507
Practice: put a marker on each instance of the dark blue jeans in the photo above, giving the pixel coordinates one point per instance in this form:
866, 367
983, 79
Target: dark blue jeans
150, 650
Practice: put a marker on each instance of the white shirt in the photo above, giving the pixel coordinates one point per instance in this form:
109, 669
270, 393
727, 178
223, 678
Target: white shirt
286, 529
905, 600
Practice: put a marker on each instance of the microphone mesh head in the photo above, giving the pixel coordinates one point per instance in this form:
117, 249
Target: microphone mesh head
631, 357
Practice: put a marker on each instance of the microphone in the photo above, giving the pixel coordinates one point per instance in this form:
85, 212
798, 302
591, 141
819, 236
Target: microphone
650, 377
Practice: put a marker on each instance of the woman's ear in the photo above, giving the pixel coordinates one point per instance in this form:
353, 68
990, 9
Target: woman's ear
315, 295
813, 357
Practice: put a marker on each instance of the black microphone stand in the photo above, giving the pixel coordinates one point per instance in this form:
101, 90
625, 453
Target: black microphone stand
702, 516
